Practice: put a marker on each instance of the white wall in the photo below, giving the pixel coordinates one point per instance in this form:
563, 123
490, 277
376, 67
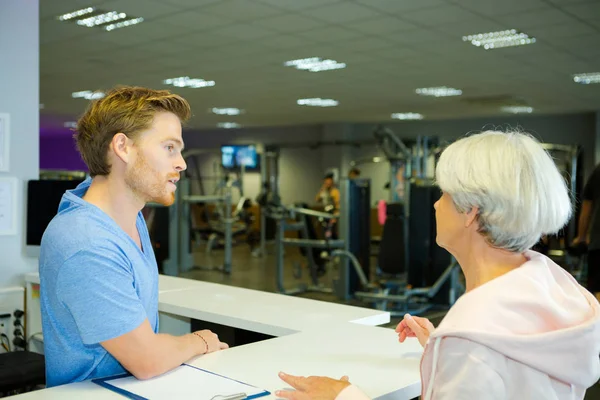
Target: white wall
19, 88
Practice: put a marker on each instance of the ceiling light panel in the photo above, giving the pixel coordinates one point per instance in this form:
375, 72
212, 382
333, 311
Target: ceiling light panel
94, 18
407, 116
228, 125
87, 94
500, 39
588, 78
314, 64
317, 102
186, 81
226, 111
76, 14
440, 91
517, 109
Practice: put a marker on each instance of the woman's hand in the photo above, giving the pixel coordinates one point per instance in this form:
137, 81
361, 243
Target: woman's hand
417, 327
311, 388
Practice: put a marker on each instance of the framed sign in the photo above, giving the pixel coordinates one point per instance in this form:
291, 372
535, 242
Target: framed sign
4, 141
8, 206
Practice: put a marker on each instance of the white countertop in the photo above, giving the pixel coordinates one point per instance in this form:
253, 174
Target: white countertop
370, 356
269, 313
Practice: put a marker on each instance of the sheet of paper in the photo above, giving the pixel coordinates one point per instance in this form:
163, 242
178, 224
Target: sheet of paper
185, 382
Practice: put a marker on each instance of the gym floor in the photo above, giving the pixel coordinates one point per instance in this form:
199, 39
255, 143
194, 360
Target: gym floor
259, 273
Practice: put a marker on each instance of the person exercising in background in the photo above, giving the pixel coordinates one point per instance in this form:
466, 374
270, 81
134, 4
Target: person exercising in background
329, 195
354, 173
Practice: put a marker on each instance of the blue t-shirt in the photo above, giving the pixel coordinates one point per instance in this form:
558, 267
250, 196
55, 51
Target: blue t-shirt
95, 285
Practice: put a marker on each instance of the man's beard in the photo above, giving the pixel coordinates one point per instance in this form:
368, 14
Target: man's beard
148, 184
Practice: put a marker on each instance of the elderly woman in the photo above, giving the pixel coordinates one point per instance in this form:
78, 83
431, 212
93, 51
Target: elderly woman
525, 329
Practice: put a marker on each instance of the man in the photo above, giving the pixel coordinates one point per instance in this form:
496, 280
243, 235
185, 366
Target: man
589, 229
329, 195
98, 273
354, 173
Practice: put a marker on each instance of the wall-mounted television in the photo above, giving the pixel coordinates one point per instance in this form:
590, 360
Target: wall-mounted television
235, 155
43, 198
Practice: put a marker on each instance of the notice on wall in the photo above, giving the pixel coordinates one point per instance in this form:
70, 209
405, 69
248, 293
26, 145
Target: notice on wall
8, 204
4, 141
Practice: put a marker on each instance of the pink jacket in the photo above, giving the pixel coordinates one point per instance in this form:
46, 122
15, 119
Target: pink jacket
533, 333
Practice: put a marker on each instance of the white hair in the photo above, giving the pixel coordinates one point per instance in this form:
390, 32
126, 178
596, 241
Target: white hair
513, 182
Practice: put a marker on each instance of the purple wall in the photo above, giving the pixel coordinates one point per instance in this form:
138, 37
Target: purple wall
59, 153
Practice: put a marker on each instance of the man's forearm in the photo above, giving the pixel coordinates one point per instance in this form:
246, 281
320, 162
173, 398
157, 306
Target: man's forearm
169, 352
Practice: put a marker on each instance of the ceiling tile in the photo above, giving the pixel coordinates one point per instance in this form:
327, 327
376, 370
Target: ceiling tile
244, 31
187, 4
341, 12
492, 8
548, 33
296, 5
53, 30
289, 23
440, 15
195, 20
284, 41
367, 43
382, 25
241, 10
400, 6
457, 31
330, 34
531, 19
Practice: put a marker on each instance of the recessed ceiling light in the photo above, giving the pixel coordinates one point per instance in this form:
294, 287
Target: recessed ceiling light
441, 91
518, 109
123, 24
407, 116
226, 111
317, 102
87, 94
588, 78
186, 81
70, 124
314, 64
76, 14
228, 125
496, 40
107, 20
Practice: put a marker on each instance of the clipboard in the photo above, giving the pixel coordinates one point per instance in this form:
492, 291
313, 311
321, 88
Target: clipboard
185, 380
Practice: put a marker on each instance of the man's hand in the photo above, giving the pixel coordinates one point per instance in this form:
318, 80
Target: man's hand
211, 340
417, 327
312, 388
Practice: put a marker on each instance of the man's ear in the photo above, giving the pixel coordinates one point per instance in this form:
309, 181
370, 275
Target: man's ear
471, 216
121, 145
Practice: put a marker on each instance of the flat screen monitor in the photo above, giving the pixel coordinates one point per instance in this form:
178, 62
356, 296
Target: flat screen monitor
234, 156
43, 198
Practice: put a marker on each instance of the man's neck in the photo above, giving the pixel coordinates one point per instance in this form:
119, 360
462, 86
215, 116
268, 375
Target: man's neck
116, 200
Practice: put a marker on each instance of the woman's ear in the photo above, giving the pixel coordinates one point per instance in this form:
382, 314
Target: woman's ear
471, 216
121, 146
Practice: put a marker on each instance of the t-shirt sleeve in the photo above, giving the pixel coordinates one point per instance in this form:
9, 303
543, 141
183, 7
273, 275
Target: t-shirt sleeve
97, 287
591, 191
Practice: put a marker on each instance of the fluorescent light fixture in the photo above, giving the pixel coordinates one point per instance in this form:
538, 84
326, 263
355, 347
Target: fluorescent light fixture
588, 78
407, 116
517, 109
497, 40
441, 91
123, 24
318, 102
228, 125
101, 19
226, 111
76, 14
70, 124
186, 81
314, 64
88, 95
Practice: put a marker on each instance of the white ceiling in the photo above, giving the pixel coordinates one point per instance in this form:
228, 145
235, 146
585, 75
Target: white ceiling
391, 47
